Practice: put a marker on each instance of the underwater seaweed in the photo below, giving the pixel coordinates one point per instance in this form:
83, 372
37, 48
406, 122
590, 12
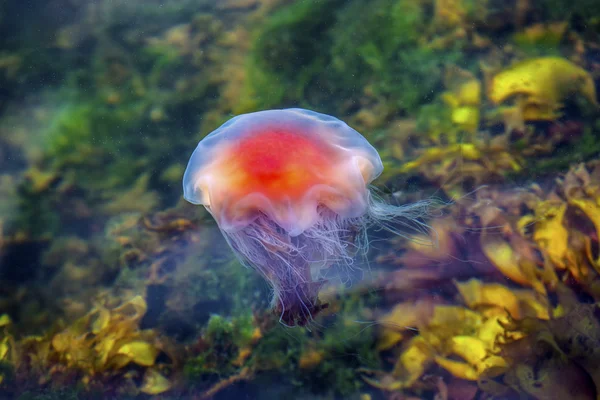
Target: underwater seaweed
540, 86
544, 242
100, 347
91, 164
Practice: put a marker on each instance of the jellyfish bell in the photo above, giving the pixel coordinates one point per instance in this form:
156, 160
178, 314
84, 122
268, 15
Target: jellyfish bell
285, 163
289, 190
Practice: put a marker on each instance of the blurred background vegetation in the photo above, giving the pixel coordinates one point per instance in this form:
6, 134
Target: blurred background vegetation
112, 286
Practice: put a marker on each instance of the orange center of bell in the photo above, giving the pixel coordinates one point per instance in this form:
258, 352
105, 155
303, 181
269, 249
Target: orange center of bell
279, 163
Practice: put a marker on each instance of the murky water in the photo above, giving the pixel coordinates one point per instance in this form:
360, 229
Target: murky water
468, 268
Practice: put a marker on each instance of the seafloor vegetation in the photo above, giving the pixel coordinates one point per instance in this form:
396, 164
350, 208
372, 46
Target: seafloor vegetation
112, 286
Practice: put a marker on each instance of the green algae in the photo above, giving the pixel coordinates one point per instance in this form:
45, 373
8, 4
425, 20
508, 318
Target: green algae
545, 43
584, 149
224, 338
342, 346
559, 10
434, 120
288, 53
350, 46
88, 142
34, 215
278, 352
385, 41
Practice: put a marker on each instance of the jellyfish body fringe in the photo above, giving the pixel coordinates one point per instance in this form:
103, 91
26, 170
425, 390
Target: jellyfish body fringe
288, 263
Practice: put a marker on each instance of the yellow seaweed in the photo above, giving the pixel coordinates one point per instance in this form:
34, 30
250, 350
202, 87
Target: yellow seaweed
475, 293
452, 165
106, 340
154, 382
519, 303
503, 256
540, 251
411, 365
139, 352
477, 358
456, 331
413, 361
466, 151
399, 319
4, 348
550, 234
464, 98
5, 320
540, 85
591, 208
467, 117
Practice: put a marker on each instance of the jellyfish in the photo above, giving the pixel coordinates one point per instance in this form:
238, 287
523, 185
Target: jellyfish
291, 192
